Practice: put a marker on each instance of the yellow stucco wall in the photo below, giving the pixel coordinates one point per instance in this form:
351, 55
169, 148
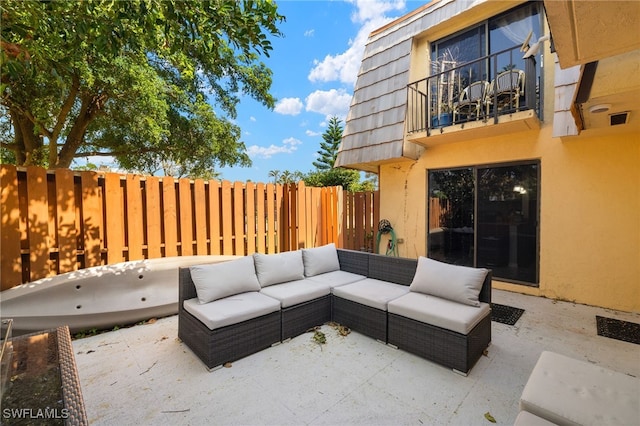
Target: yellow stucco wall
589, 201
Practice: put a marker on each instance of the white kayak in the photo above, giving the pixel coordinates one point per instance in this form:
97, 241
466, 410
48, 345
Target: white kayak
100, 297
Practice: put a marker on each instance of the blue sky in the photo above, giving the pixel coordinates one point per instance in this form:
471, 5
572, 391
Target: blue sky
315, 66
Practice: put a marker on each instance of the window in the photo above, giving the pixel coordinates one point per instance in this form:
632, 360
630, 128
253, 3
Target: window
504, 31
486, 216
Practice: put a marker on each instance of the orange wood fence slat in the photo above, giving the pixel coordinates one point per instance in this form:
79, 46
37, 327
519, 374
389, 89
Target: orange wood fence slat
250, 202
59, 221
238, 219
134, 218
200, 222
114, 235
214, 217
153, 217
38, 222
10, 255
227, 219
170, 217
65, 221
185, 223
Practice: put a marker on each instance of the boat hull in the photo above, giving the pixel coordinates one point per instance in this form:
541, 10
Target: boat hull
101, 297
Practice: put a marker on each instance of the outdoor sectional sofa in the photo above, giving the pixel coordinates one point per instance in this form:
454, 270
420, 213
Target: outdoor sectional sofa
438, 311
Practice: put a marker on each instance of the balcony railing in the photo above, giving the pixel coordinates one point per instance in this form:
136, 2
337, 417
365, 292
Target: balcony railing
480, 90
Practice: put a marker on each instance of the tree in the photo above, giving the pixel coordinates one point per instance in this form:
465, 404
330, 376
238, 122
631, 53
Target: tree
132, 79
330, 145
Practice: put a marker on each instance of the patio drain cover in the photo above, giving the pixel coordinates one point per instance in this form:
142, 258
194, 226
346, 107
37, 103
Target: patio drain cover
505, 314
618, 329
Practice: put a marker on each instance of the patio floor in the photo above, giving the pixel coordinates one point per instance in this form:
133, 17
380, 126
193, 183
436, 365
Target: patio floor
144, 375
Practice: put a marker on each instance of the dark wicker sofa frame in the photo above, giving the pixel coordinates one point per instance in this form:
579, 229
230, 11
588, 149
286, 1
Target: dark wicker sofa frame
215, 347
454, 350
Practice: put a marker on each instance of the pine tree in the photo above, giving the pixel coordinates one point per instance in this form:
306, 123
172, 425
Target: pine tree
329, 147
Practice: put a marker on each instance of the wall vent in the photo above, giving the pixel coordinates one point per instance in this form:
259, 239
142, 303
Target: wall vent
619, 118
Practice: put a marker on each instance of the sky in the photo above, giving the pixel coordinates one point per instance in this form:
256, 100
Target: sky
315, 66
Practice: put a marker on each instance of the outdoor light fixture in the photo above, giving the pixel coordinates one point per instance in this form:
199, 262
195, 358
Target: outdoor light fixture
595, 109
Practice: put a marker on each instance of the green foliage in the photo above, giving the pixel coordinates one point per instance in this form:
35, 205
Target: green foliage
131, 79
347, 178
330, 145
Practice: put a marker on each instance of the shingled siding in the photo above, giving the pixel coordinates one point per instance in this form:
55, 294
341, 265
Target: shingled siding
375, 127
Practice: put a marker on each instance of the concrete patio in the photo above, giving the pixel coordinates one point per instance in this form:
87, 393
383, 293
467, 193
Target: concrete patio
144, 375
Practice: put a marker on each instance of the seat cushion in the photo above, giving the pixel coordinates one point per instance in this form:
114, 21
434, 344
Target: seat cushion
319, 260
567, 391
295, 292
371, 292
525, 418
337, 278
442, 313
279, 268
219, 280
457, 283
231, 310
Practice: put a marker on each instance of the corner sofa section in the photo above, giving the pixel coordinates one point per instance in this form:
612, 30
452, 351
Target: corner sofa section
370, 293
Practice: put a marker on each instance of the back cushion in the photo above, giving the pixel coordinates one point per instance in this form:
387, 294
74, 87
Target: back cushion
320, 260
279, 268
220, 280
457, 283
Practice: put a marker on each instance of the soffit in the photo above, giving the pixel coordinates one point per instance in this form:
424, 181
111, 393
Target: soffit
587, 31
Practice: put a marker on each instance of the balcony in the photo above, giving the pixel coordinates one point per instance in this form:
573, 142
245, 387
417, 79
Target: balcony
488, 96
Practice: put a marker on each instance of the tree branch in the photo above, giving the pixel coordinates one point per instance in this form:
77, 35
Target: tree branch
62, 118
117, 153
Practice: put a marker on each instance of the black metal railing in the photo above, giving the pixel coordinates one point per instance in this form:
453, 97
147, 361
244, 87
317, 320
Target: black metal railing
483, 89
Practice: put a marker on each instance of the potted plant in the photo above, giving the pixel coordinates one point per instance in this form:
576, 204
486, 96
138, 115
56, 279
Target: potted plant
442, 88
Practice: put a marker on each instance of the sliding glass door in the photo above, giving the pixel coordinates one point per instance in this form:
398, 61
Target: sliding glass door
486, 216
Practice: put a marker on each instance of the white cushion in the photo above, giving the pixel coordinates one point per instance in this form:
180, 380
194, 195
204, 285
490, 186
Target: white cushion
567, 391
295, 292
440, 312
231, 310
279, 268
319, 260
371, 292
218, 280
525, 418
337, 278
458, 283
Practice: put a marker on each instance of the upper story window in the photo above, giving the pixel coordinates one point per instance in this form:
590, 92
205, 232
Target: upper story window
480, 73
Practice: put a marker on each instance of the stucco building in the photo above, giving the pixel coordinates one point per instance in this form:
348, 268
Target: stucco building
506, 134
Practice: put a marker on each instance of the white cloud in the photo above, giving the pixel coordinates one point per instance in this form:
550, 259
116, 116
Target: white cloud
344, 67
252, 118
312, 133
288, 146
289, 106
329, 102
309, 33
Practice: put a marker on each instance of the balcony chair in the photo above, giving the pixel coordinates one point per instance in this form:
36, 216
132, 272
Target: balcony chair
471, 100
505, 91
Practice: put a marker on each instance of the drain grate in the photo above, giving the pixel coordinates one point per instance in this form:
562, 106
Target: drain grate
618, 329
505, 314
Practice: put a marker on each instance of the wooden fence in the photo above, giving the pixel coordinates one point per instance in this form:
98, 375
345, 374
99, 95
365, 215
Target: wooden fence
59, 221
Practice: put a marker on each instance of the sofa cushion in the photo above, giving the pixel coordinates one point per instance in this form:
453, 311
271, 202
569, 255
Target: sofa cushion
337, 278
295, 292
371, 292
525, 418
440, 312
279, 268
319, 260
232, 310
457, 283
218, 280
566, 391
